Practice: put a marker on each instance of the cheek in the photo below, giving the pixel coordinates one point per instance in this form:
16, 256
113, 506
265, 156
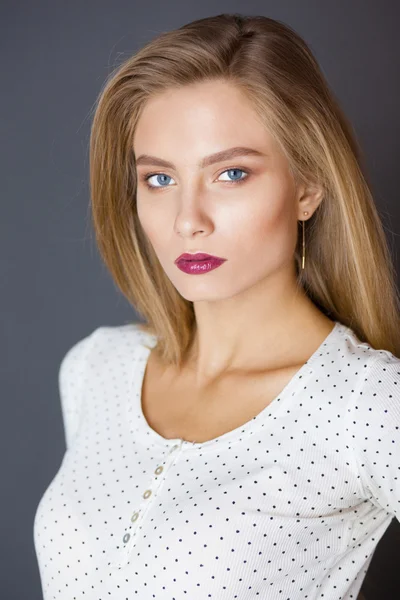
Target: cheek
262, 223
151, 222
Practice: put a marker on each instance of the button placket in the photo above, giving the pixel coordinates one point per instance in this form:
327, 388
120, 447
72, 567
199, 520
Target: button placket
130, 536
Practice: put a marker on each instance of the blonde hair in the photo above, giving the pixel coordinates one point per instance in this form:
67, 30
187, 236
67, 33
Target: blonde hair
349, 272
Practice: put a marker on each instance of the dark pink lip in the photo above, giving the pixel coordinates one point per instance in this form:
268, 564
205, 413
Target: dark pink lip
199, 266
197, 256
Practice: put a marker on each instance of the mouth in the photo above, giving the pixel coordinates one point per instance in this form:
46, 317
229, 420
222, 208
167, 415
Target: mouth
198, 257
200, 264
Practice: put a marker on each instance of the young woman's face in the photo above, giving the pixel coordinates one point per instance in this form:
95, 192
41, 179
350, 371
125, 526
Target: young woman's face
243, 209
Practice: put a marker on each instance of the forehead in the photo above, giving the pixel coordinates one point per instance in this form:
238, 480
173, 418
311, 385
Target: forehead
199, 119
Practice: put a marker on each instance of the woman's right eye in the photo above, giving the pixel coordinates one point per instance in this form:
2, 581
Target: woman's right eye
159, 178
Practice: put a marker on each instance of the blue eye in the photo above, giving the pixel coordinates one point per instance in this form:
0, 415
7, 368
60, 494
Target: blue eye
160, 177
234, 170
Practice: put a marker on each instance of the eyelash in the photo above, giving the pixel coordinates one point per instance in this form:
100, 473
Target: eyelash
237, 182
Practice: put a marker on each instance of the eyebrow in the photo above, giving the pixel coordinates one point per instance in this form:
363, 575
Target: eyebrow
146, 159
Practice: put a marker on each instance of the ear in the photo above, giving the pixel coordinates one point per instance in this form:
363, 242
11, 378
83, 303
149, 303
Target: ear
309, 197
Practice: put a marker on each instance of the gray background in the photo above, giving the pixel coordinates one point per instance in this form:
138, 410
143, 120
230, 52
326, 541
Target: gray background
53, 287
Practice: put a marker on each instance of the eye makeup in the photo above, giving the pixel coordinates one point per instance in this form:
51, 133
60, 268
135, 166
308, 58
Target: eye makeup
146, 176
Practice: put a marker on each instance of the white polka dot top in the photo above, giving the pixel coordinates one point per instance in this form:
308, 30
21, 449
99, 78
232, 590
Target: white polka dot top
289, 506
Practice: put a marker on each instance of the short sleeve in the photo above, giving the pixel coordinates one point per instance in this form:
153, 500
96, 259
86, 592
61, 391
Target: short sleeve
70, 378
374, 427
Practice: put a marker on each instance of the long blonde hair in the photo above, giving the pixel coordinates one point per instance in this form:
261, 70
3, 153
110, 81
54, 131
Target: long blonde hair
349, 272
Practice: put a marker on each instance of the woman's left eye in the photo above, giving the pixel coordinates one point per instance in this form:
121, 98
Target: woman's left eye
235, 170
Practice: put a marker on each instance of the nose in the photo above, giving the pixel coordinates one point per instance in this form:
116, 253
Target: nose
192, 216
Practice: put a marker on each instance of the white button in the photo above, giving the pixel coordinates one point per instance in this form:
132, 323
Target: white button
174, 448
147, 494
134, 516
126, 538
159, 470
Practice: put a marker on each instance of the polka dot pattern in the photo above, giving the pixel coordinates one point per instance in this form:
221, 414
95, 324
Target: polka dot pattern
291, 505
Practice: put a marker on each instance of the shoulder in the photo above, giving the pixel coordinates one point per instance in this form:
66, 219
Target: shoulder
364, 360
98, 357
356, 374
109, 337
106, 340
373, 427
375, 392
121, 338
380, 386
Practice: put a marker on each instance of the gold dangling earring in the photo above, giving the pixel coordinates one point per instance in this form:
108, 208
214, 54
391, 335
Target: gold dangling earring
304, 245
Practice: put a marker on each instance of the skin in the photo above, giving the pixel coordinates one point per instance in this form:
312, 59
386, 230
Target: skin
251, 315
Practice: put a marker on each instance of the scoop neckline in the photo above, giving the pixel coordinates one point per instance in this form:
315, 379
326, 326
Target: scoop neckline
142, 430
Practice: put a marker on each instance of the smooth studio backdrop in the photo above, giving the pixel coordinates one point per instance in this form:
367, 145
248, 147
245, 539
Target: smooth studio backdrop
54, 289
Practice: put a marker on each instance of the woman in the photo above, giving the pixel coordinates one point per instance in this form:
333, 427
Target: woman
244, 441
